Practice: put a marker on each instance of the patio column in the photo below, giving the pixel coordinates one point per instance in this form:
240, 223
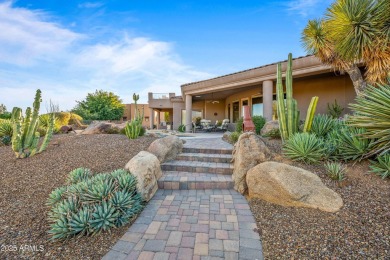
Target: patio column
188, 113
151, 119
158, 119
267, 99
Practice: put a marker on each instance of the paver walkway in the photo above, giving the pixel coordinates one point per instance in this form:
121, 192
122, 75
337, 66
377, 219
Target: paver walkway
195, 214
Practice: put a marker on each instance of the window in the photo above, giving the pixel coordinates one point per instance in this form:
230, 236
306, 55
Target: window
257, 106
236, 111
195, 114
244, 103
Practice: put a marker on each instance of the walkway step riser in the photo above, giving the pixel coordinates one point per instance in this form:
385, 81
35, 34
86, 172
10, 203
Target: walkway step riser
208, 151
175, 185
181, 168
203, 159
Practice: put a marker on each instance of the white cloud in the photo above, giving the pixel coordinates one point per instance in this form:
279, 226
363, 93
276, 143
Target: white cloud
37, 53
302, 7
91, 5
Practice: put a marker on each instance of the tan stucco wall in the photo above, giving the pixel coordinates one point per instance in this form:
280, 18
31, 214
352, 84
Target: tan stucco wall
130, 110
327, 88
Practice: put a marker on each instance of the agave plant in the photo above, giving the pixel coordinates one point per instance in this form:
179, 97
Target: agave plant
372, 112
322, 124
381, 167
91, 204
304, 147
104, 217
5, 127
79, 174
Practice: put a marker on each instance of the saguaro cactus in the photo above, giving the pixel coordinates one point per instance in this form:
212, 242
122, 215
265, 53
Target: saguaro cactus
288, 112
25, 137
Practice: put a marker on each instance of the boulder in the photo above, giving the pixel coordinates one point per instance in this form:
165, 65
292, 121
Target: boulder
65, 129
146, 168
287, 185
270, 126
249, 151
166, 148
99, 127
226, 137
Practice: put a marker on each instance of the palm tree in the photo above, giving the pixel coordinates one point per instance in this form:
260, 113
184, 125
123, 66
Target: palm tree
353, 33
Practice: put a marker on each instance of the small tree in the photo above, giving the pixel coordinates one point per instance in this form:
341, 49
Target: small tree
3, 109
353, 32
101, 105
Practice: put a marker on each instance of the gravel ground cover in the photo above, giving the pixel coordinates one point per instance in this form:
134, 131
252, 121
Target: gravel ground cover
26, 184
360, 230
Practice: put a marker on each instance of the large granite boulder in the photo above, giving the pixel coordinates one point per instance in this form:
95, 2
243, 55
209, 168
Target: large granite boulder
226, 137
249, 151
269, 127
166, 148
287, 185
146, 168
100, 127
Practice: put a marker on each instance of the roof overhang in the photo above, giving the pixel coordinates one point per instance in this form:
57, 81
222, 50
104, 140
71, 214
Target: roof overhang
302, 67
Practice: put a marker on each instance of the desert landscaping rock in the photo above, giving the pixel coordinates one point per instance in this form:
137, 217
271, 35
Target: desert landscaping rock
269, 126
249, 151
166, 148
98, 127
146, 168
226, 137
287, 185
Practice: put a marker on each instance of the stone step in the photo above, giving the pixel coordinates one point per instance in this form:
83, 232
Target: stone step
207, 150
175, 180
205, 157
198, 167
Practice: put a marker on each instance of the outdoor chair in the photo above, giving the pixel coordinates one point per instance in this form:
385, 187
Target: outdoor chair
206, 125
224, 125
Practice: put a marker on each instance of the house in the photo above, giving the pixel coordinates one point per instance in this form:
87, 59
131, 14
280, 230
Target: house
224, 97
153, 120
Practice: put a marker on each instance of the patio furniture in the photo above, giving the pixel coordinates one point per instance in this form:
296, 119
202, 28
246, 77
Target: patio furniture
206, 125
224, 125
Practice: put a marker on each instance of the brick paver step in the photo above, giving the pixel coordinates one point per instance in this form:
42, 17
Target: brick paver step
208, 150
175, 180
191, 224
198, 167
205, 157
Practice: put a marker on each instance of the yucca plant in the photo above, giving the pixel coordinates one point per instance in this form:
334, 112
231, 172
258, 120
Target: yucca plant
304, 147
381, 167
372, 112
322, 124
93, 203
5, 127
335, 171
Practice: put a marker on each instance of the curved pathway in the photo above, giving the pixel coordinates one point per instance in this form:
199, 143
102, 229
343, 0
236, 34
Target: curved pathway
195, 214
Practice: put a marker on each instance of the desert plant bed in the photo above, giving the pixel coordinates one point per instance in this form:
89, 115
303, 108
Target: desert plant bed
360, 230
27, 183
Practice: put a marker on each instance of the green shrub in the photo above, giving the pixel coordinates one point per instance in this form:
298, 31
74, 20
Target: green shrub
182, 128
381, 167
6, 140
372, 112
259, 122
335, 110
234, 137
6, 115
274, 133
239, 123
335, 171
75, 119
93, 203
304, 147
321, 125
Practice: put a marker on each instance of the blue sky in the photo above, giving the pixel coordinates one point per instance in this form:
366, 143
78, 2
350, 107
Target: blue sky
68, 49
